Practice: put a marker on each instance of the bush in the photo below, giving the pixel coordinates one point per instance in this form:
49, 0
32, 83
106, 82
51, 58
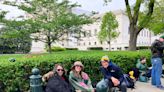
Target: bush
15, 75
56, 48
95, 48
71, 48
143, 47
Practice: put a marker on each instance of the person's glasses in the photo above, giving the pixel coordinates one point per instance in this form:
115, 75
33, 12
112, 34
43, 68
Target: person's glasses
78, 66
60, 70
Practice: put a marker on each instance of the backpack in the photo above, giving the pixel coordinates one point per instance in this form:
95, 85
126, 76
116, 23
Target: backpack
128, 81
136, 72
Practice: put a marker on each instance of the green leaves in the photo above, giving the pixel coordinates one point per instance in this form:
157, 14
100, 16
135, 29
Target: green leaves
156, 21
50, 18
108, 26
156, 24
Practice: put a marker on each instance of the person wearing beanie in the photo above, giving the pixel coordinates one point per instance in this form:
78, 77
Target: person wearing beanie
157, 48
113, 76
79, 79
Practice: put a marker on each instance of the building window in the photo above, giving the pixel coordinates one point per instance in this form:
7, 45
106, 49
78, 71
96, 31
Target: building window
84, 34
90, 34
128, 30
84, 43
95, 43
62, 44
126, 48
147, 33
101, 42
89, 43
119, 48
95, 32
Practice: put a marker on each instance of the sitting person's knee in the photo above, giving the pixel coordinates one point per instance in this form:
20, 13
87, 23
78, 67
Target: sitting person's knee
102, 85
123, 84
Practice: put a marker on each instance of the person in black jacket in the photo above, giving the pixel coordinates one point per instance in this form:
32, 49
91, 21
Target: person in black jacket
113, 76
157, 48
57, 81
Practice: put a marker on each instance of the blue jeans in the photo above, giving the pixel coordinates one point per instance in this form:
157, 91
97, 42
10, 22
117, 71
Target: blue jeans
105, 85
156, 72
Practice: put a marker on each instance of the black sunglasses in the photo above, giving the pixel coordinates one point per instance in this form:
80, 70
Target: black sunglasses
78, 66
60, 69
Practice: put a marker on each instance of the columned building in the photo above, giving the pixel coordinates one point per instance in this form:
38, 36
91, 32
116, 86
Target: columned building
89, 36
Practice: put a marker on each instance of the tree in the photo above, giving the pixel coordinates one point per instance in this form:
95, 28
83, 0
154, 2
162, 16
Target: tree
108, 26
13, 45
156, 24
135, 26
50, 19
14, 37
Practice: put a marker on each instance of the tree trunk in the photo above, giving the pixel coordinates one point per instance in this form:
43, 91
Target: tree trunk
109, 45
133, 38
49, 47
49, 42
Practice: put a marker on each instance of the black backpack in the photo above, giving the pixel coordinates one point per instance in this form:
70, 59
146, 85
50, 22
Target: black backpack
128, 81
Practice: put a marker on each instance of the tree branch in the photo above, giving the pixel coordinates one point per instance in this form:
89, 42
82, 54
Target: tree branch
128, 10
148, 15
136, 10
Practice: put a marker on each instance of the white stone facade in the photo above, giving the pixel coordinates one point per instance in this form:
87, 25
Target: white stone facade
121, 42
90, 39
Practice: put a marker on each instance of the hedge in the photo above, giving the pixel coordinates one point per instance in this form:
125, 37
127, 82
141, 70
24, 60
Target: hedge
15, 75
95, 48
56, 48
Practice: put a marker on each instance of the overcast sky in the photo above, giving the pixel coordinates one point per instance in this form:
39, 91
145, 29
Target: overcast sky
88, 5
98, 5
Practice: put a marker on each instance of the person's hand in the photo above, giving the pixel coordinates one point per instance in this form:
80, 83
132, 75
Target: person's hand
47, 76
115, 81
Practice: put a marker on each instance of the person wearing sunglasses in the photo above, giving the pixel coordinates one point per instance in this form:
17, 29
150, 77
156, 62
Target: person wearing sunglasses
79, 79
57, 81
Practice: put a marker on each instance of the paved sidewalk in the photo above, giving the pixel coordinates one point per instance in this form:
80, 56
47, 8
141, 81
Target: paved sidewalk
146, 87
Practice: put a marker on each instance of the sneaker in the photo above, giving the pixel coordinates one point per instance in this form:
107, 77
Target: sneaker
160, 87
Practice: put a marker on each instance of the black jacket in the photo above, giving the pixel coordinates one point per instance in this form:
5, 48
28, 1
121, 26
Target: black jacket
112, 71
157, 48
57, 84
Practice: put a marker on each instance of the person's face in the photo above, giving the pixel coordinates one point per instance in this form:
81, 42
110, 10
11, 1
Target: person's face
78, 68
60, 70
104, 64
161, 39
143, 61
